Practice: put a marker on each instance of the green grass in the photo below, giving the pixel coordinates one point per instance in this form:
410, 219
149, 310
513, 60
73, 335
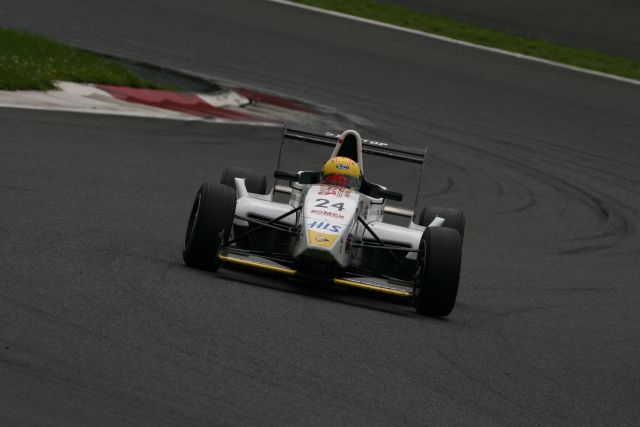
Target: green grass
31, 62
402, 16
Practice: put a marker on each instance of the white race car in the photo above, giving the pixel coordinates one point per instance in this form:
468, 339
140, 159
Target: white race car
331, 230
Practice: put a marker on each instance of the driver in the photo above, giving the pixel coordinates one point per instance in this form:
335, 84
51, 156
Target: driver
342, 172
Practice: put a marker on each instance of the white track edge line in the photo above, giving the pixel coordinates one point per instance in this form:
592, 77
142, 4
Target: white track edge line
459, 42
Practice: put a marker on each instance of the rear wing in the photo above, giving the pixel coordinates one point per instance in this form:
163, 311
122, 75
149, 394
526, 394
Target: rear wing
377, 148
384, 149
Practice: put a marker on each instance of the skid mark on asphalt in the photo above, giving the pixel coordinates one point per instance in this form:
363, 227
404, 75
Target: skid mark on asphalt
612, 221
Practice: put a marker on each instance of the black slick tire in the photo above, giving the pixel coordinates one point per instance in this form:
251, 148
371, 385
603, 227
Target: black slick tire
437, 271
209, 224
255, 182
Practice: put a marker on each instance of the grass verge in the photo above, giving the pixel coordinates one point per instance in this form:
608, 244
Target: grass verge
404, 17
32, 62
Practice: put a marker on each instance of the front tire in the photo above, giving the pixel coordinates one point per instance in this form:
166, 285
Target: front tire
209, 225
437, 271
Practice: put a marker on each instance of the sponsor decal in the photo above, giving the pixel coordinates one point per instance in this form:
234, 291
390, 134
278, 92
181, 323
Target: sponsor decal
325, 226
327, 213
327, 190
366, 141
324, 203
321, 239
380, 144
342, 167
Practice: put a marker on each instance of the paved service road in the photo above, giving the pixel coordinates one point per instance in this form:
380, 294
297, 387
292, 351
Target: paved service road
608, 26
101, 324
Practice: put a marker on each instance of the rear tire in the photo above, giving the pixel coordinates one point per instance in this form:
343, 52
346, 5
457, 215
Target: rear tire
453, 218
255, 182
209, 225
437, 271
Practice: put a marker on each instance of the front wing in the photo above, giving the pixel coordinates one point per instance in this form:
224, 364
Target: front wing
363, 283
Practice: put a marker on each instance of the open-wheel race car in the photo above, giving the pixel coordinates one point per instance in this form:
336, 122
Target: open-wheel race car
331, 228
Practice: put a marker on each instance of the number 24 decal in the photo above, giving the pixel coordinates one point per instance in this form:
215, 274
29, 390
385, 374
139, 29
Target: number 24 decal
325, 203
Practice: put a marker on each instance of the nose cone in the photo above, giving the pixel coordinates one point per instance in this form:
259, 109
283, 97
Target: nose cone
329, 213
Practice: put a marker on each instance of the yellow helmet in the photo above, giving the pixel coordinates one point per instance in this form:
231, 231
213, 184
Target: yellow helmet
342, 171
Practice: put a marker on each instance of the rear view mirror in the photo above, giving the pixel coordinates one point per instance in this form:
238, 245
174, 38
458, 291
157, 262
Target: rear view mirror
287, 176
307, 177
379, 193
303, 177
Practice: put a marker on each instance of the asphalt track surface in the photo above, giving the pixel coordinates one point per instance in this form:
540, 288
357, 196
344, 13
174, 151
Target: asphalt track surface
101, 324
608, 26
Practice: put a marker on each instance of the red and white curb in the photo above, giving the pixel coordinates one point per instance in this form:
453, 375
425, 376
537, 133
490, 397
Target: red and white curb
227, 106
